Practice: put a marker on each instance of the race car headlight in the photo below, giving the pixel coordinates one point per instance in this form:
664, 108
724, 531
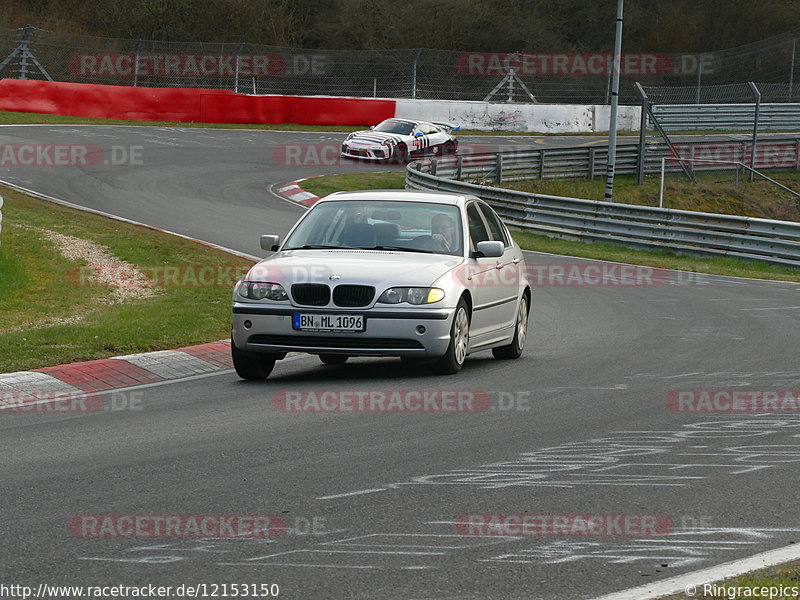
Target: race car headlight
349, 137
261, 290
412, 295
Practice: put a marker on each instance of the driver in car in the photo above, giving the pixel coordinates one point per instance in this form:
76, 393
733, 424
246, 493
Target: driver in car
443, 231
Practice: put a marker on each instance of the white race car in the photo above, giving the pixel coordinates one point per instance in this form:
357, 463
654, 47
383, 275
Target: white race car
400, 140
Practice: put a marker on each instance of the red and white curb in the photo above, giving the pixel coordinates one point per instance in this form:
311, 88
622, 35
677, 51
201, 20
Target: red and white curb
118, 372
292, 191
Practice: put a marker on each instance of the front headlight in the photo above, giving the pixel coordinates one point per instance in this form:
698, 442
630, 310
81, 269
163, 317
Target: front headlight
412, 295
261, 290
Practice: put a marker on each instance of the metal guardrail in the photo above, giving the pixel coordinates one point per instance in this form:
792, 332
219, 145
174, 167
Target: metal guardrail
687, 232
588, 162
677, 117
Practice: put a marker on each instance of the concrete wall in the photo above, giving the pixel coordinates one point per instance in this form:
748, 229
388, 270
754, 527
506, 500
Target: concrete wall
541, 118
224, 106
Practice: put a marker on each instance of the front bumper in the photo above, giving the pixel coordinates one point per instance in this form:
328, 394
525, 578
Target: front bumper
421, 333
367, 152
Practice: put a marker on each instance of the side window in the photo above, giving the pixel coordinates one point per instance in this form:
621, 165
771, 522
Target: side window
477, 230
495, 227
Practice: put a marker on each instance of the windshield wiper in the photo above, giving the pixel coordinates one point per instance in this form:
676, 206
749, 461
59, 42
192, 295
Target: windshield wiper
322, 247
401, 248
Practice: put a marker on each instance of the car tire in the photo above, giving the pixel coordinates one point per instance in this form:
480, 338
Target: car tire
448, 148
456, 354
334, 359
252, 366
517, 345
401, 154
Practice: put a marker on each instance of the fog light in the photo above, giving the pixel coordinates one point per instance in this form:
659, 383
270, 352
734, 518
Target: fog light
247, 324
420, 329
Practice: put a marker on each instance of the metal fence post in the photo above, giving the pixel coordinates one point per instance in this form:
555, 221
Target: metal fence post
591, 164
498, 176
541, 163
797, 154
23, 61
755, 126
791, 64
236, 78
700, 61
414, 75
460, 165
642, 135
136, 64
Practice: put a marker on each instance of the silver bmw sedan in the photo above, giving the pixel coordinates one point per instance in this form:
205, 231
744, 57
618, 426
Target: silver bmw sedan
425, 276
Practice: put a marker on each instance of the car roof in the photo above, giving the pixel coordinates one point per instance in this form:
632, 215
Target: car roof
399, 196
414, 121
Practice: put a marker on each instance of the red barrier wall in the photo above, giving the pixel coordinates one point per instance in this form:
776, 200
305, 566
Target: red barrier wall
184, 104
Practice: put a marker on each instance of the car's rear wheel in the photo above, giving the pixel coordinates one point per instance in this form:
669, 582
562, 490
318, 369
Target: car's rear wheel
334, 359
517, 345
449, 148
252, 366
456, 354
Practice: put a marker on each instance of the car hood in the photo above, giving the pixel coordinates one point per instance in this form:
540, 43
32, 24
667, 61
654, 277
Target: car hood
379, 268
369, 136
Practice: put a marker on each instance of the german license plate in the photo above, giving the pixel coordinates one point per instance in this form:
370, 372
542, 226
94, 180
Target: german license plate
327, 322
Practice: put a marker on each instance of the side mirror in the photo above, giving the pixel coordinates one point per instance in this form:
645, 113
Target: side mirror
418, 133
270, 242
489, 249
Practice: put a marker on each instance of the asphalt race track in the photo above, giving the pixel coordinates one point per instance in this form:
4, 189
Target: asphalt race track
582, 424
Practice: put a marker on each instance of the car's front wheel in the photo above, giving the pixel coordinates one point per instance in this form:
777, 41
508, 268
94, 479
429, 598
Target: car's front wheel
401, 154
517, 345
252, 366
456, 354
334, 359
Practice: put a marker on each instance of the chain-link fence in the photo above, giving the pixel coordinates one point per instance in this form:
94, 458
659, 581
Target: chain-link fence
581, 78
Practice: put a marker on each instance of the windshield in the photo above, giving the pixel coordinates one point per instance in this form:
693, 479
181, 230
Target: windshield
394, 126
381, 225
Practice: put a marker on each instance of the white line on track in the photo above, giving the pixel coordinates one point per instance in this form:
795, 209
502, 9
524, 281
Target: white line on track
692, 583
348, 494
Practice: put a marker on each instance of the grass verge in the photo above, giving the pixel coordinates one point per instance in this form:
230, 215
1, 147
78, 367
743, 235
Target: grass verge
55, 308
716, 192
322, 186
785, 576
